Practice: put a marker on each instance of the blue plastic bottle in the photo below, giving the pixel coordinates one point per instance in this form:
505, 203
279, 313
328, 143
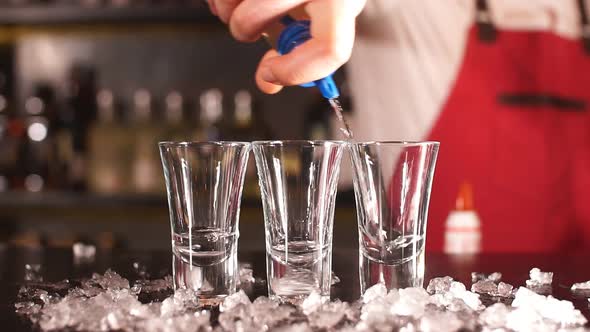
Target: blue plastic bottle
294, 34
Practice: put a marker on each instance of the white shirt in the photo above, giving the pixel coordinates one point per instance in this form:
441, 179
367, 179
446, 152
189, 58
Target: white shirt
408, 52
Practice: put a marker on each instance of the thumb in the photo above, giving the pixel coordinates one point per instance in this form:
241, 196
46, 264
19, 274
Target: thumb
265, 78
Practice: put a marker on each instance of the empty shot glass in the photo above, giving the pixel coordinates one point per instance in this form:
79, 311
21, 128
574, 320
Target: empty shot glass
204, 185
298, 183
392, 182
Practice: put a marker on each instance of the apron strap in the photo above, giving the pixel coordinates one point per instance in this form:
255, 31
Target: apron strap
585, 25
485, 27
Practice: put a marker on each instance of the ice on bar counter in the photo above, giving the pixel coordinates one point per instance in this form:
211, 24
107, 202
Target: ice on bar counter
537, 278
581, 286
489, 287
106, 302
477, 276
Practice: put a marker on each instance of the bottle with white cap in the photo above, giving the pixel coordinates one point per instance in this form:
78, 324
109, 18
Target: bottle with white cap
462, 228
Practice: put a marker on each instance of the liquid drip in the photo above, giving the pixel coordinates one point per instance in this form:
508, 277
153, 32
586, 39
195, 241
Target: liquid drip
345, 128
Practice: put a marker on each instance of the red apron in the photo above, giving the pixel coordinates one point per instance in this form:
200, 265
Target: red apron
517, 127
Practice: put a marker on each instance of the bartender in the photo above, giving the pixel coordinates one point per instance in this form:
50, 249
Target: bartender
504, 85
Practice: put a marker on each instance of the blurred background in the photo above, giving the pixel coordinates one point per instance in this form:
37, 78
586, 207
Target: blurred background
87, 89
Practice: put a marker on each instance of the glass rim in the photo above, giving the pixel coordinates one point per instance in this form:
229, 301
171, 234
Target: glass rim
297, 142
397, 143
202, 143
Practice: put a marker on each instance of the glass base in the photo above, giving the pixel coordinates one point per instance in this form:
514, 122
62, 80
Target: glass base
211, 283
407, 272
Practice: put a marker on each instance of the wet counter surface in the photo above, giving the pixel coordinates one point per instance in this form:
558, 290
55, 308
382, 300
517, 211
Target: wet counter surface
58, 264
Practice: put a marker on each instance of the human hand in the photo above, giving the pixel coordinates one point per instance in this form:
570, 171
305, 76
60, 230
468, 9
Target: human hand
332, 29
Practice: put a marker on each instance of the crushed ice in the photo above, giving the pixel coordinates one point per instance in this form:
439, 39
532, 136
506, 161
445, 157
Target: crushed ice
581, 286
537, 278
477, 276
539, 281
107, 302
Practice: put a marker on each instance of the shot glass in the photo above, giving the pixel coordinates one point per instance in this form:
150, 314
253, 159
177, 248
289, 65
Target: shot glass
204, 183
392, 182
298, 183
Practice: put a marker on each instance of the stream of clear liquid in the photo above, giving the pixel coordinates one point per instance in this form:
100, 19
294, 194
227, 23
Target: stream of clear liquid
344, 128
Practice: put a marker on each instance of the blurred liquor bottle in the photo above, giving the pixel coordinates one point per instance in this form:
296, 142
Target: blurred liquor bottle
248, 126
146, 172
176, 129
79, 114
211, 116
109, 147
11, 132
37, 149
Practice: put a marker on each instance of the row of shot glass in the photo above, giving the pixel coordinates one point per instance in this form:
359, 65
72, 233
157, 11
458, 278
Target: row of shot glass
298, 183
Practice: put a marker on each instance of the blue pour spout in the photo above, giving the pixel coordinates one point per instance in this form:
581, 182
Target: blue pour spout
295, 34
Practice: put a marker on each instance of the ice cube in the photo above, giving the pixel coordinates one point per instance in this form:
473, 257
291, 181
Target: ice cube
537, 277
98, 307
37, 295
263, 304
153, 286
83, 253
412, 302
311, 303
485, 287
199, 321
33, 272
298, 327
581, 286
179, 302
27, 308
458, 305
233, 300
440, 321
267, 313
494, 276
109, 280
458, 290
477, 276
527, 319
547, 307
376, 315
504, 289
374, 292
329, 315
238, 318
494, 316
439, 285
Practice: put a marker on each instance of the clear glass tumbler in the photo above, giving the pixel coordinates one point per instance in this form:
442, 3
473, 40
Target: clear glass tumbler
298, 183
204, 183
392, 182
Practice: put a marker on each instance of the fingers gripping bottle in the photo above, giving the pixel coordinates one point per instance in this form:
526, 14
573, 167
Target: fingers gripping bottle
292, 34
287, 37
